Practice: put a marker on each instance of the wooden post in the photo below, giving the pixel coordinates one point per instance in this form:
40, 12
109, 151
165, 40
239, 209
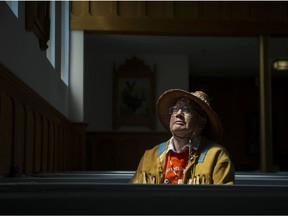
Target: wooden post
266, 150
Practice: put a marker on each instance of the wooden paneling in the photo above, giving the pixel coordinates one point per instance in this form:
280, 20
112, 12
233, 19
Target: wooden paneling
6, 130
19, 136
77, 8
120, 151
51, 147
29, 147
33, 135
181, 17
56, 148
189, 10
76, 152
38, 143
99, 8
44, 153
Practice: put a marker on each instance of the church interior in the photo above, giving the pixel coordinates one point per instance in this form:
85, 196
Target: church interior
67, 145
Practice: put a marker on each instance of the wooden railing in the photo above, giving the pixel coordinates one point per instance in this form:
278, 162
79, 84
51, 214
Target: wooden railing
181, 17
34, 136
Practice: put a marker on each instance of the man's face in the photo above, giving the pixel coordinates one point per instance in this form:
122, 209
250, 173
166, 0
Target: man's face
183, 119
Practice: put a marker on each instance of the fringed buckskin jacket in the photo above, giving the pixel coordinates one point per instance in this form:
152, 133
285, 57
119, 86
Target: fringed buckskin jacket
209, 164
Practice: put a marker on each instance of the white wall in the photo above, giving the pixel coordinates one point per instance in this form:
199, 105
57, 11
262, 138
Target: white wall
20, 52
76, 76
172, 71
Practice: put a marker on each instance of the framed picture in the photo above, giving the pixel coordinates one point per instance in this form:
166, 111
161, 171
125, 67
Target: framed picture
37, 20
133, 94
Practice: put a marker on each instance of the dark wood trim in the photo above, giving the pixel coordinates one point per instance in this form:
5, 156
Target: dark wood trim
182, 18
120, 150
34, 136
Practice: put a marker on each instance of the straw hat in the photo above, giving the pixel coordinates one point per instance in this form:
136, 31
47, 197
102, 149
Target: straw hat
169, 98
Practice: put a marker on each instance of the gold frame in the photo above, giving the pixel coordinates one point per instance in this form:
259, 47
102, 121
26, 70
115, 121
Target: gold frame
133, 95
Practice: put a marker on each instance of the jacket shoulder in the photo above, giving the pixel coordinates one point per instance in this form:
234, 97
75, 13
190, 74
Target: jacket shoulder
212, 145
210, 148
156, 150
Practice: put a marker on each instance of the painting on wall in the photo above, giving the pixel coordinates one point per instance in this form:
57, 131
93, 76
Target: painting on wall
133, 94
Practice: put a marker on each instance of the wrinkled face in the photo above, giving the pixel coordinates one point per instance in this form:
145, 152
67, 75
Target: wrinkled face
184, 119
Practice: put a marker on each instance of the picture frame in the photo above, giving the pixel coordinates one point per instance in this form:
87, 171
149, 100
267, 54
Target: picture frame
37, 20
133, 94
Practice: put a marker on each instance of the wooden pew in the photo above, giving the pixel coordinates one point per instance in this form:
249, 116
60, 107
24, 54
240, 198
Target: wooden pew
76, 197
241, 178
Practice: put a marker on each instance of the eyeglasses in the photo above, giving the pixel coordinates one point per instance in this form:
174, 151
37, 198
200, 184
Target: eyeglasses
186, 110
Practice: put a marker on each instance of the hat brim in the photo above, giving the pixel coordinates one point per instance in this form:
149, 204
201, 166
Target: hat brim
169, 98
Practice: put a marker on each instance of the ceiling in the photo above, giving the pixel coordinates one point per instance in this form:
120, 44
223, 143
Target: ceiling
208, 56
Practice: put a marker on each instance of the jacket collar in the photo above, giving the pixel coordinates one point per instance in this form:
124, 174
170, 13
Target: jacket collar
194, 144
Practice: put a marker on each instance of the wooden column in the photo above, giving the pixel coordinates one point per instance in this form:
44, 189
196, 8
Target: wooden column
266, 150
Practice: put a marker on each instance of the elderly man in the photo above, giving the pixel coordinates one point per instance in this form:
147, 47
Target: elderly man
192, 155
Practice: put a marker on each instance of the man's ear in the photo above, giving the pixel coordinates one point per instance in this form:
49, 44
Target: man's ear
200, 127
202, 123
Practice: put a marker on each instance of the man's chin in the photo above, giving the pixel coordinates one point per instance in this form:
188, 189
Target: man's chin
181, 133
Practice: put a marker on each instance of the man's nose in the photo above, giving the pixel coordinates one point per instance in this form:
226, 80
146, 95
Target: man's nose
179, 112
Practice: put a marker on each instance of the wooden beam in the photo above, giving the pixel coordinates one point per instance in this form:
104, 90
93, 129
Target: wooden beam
266, 148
